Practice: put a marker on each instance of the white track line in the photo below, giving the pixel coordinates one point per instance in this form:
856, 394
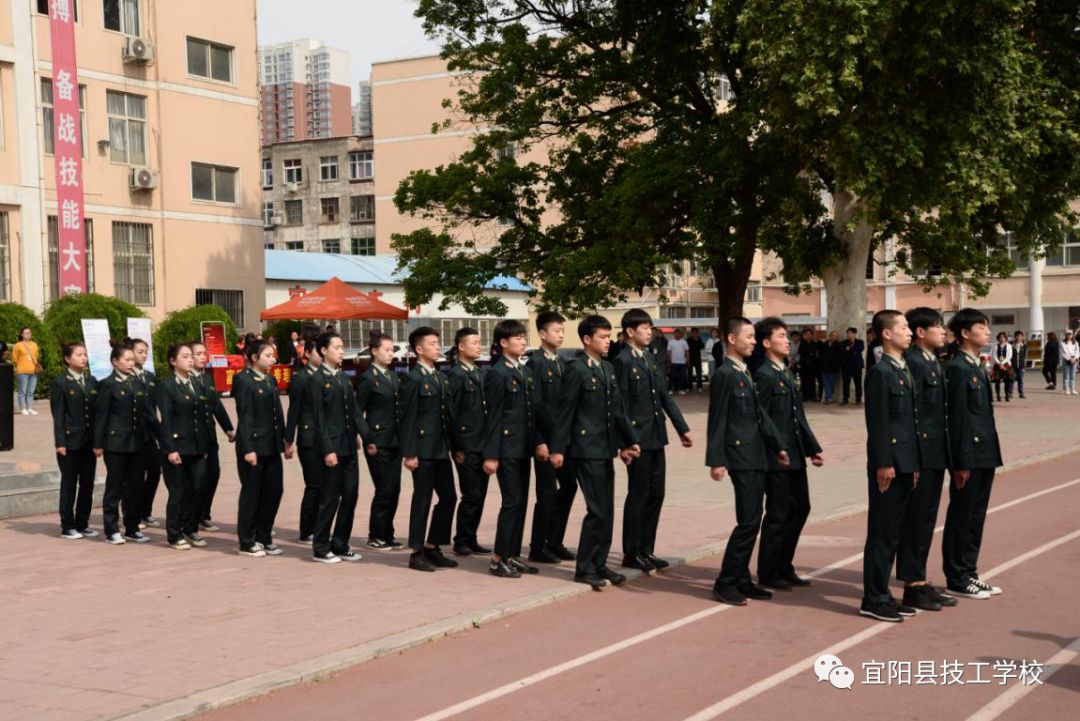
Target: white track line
1010, 698
678, 623
807, 664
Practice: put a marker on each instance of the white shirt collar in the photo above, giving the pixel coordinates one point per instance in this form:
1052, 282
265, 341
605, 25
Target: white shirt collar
739, 365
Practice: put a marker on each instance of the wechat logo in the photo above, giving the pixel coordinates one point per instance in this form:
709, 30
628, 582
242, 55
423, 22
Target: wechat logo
830, 668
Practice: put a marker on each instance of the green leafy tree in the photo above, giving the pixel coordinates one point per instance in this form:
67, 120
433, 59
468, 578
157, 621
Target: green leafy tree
186, 324
13, 318
64, 316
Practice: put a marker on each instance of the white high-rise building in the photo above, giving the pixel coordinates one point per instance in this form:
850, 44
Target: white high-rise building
361, 112
304, 91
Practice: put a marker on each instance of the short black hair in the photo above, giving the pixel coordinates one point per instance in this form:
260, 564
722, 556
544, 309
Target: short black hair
420, 334
323, 341
884, 320
309, 345
853, 330
634, 317
734, 325
543, 320
592, 323
464, 333
1002, 334
509, 328
923, 317
377, 338
964, 319
765, 327
1017, 333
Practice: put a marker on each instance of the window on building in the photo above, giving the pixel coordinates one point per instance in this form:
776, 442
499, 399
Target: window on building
363, 246
328, 167
54, 255
1003, 319
294, 212
294, 171
673, 311
133, 262
753, 292
294, 245
361, 165
870, 265
43, 8
331, 246
673, 275
5, 257
48, 117
355, 333
268, 213
231, 301
267, 173
702, 311
210, 60
127, 127
361, 208
330, 209
122, 16
215, 183
1071, 248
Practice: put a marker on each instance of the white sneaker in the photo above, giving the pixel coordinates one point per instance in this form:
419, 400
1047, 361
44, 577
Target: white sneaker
25, 412
115, 539
255, 551
181, 545
71, 535
137, 537
328, 558
88, 533
992, 590
32, 412
349, 556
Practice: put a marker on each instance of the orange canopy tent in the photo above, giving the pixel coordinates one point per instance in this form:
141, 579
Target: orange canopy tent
335, 300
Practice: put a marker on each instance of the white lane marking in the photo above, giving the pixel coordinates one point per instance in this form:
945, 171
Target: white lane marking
1010, 698
803, 666
579, 661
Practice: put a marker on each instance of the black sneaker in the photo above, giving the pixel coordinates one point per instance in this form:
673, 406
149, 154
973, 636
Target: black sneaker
196, 540
591, 579
462, 549
392, 545
272, 549
542, 555
475, 547
902, 609
435, 555
795, 580
377, 544
349, 556
967, 590
521, 567
561, 552
612, 577
755, 592
946, 601
992, 590
137, 537
920, 597
502, 569
776, 584
880, 611
71, 535
419, 562
657, 561
638, 562
728, 595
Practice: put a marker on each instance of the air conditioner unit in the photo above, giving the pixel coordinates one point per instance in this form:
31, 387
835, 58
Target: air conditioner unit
292, 187
144, 179
137, 50
277, 220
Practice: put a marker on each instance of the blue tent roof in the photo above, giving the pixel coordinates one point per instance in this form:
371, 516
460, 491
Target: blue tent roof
294, 265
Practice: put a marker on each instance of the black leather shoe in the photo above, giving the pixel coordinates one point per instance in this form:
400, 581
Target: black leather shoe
435, 555
419, 562
639, 562
615, 578
728, 595
919, 597
940, 597
462, 549
502, 569
776, 584
755, 592
561, 552
795, 580
542, 555
478, 549
522, 567
593, 580
657, 561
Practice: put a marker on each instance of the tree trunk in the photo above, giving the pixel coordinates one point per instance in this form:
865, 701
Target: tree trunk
731, 281
845, 281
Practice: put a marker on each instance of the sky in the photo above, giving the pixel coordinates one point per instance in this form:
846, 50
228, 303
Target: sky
370, 30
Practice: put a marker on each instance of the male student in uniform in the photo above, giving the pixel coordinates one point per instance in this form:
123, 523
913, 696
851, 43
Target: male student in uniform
644, 390
917, 529
976, 454
555, 488
592, 428
300, 429
511, 438
424, 432
740, 439
378, 394
467, 411
787, 492
892, 461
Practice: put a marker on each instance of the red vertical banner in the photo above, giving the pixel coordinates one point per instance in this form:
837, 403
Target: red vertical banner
66, 133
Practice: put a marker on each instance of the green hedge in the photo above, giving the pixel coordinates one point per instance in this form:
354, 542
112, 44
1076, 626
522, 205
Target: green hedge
282, 329
64, 316
13, 318
184, 325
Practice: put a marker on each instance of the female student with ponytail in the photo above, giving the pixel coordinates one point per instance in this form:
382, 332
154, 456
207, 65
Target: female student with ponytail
71, 399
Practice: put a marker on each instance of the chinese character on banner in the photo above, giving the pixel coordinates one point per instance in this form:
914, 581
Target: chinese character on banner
68, 163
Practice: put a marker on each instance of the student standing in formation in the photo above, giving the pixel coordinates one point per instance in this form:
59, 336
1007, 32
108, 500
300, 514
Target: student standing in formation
300, 432
510, 439
203, 382
336, 414
466, 406
184, 443
147, 382
644, 391
71, 399
976, 454
787, 491
917, 529
123, 420
592, 428
260, 440
425, 446
892, 460
738, 436
555, 488
377, 394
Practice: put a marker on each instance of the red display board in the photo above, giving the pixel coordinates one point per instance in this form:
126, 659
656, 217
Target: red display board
223, 377
213, 337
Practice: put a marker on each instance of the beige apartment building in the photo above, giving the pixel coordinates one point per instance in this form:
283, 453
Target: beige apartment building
170, 127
